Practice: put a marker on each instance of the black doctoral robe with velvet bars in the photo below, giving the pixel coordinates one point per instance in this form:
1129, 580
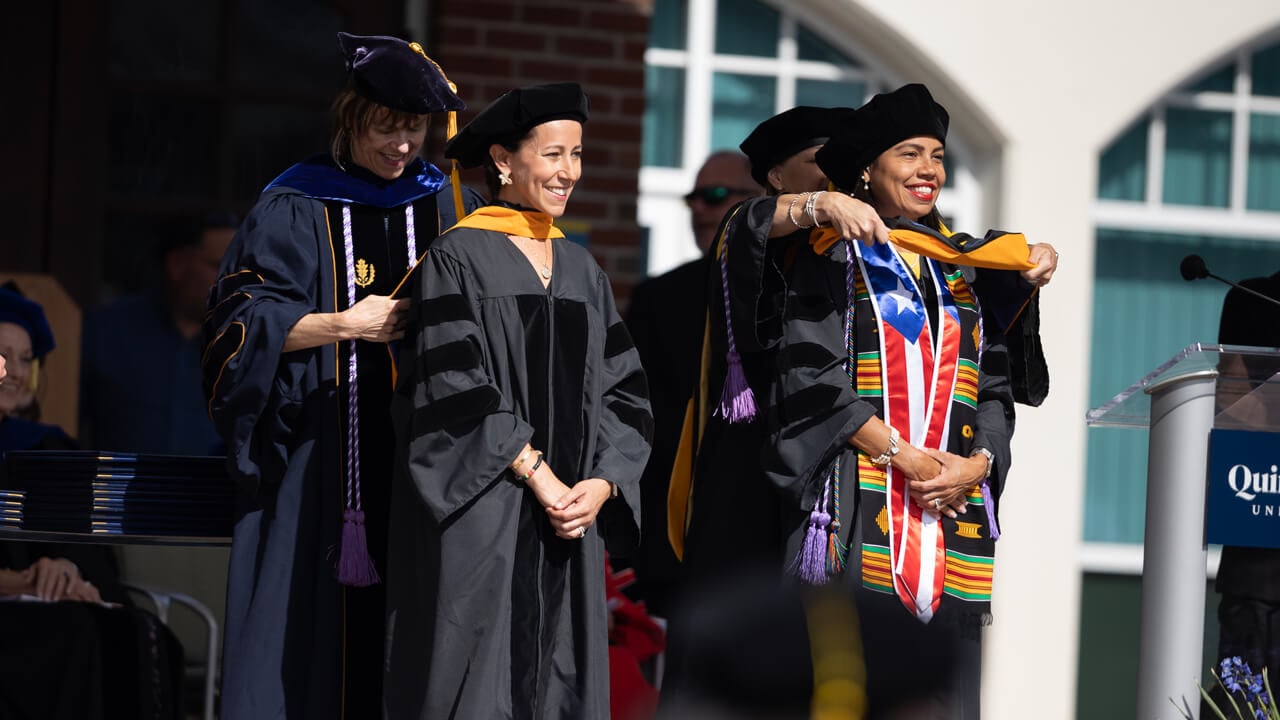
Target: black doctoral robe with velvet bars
296, 643
490, 615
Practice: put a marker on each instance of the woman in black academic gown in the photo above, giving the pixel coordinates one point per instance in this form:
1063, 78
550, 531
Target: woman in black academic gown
299, 375
893, 411
523, 427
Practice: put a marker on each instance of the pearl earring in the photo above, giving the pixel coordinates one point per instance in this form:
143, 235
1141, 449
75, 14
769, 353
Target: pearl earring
504, 178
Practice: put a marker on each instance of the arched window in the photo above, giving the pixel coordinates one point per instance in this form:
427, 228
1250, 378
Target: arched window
717, 68
1198, 173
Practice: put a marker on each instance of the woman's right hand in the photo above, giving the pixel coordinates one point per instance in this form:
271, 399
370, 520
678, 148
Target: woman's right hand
851, 217
376, 318
546, 487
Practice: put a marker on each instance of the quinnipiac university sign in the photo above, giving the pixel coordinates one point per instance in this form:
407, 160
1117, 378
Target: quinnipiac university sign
1242, 499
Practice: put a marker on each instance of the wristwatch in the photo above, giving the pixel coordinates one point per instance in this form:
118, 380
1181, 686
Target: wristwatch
990, 456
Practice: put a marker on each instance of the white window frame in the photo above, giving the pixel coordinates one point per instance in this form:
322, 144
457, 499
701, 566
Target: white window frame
661, 205
1153, 215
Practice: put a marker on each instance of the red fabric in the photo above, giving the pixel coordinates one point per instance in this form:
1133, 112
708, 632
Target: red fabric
634, 638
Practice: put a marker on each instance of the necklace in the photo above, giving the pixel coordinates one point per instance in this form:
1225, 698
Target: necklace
546, 259
545, 270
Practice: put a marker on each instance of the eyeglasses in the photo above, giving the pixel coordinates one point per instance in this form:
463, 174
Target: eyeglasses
715, 194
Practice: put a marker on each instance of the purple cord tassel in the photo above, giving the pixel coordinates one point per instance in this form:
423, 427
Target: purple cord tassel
991, 509
737, 402
355, 566
810, 564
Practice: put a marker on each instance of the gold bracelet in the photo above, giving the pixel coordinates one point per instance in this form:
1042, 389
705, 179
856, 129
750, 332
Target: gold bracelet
515, 466
536, 464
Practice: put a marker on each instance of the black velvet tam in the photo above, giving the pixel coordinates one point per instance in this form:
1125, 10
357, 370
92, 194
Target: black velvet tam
397, 74
789, 132
512, 115
16, 309
886, 120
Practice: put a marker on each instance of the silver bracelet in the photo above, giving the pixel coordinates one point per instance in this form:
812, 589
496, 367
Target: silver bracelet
886, 457
791, 211
811, 205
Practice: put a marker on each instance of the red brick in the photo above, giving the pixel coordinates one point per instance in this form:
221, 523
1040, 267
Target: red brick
507, 40
486, 11
614, 20
548, 71
584, 47
477, 61
623, 77
633, 104
633, 50
552, 16
615, 130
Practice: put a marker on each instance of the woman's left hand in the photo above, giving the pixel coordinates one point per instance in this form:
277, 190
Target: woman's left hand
576, 510
53, 578
1046, 260
946, 493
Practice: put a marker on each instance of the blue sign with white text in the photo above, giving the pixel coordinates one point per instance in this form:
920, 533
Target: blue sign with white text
1242, 498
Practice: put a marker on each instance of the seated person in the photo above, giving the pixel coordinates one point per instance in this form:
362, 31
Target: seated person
81, 651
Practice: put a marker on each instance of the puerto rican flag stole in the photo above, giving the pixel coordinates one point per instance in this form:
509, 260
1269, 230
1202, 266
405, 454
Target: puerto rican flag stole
924, 382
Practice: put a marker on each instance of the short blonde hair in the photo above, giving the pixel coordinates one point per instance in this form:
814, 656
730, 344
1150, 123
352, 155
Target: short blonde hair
353, 114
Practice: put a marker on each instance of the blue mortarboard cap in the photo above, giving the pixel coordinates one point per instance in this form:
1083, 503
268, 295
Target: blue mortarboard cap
886, 120
514, 114
397, 74
16, 309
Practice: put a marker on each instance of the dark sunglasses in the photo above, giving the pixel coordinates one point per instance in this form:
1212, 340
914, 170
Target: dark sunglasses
714, 194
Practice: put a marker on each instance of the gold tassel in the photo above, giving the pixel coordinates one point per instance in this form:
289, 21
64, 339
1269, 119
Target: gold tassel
451, 129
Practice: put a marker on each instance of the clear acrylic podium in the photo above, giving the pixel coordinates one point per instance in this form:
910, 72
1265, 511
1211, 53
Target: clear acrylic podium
1202, 387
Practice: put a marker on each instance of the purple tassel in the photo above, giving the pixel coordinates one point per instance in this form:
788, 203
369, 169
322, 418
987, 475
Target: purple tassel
810, 564
355, 566
991, 509
737, 402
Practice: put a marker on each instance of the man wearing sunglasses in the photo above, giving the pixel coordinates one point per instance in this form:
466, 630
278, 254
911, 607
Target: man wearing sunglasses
722, 181
665, 320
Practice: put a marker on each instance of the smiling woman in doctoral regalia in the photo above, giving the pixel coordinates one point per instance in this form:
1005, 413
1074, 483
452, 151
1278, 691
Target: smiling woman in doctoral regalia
299, 376
523, 424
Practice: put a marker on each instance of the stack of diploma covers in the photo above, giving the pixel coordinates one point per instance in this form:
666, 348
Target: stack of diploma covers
116, 494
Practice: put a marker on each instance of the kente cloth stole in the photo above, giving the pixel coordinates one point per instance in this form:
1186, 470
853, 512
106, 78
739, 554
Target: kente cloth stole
928, 390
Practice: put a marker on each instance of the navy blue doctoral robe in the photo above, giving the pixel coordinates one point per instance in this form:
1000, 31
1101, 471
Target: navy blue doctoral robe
296, 643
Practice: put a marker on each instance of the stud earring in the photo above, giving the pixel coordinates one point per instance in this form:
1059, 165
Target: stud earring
504, 178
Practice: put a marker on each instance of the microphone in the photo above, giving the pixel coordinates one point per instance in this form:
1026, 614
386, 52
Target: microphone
1193, 268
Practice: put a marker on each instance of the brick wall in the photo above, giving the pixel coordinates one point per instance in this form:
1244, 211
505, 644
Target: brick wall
487, 47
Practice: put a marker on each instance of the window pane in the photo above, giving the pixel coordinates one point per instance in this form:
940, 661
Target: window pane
746, 27
1266, 71
663, 116
667, 27
1197, 164
812, 47
1144, 313
1263, 185
1223, 80
830, 93
1122, 172
738, 104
